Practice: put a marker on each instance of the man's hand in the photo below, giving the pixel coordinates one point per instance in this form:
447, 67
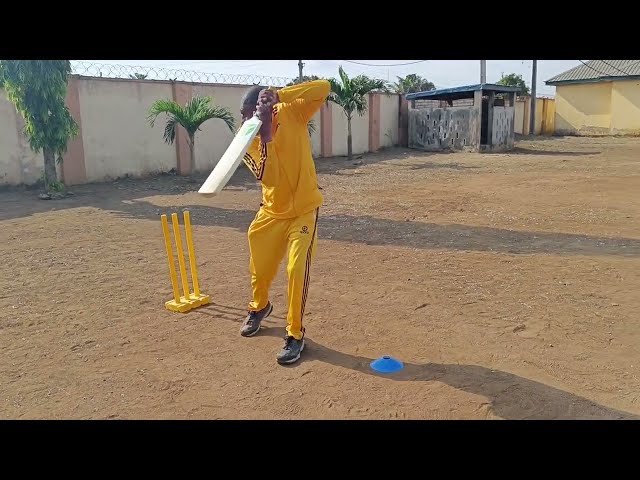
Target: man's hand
266, 100
264, 109
268, 96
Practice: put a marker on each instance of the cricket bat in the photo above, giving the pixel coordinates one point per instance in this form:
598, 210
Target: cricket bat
228, 164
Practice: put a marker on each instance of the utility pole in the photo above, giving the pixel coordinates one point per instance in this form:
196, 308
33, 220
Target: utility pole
483, 71
300, 65
534, 77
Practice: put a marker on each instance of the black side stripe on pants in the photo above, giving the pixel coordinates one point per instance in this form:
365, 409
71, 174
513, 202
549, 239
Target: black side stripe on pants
305, 288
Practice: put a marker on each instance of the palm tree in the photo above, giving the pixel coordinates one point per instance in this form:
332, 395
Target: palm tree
197, 111
351, 95
413, 83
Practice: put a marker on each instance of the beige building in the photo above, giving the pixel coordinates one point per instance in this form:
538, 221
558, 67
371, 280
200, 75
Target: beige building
599, 97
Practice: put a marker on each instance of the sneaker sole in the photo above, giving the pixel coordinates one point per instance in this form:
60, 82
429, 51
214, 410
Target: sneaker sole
292, 360
247, 335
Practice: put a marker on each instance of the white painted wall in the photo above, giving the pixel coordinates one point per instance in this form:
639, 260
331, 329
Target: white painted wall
117, 139
389, 111
359, 132
18, 164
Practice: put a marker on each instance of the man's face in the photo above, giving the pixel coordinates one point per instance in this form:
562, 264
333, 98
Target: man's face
247, 111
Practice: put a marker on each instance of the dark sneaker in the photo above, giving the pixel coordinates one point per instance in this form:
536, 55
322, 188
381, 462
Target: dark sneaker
251, 324
291, 351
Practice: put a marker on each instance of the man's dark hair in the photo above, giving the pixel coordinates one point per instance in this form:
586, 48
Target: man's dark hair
251, 96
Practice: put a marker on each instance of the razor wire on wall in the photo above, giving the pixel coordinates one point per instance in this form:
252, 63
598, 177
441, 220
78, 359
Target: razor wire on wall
89, 69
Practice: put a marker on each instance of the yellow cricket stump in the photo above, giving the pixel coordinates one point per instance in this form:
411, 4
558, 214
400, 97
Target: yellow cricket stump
186, 301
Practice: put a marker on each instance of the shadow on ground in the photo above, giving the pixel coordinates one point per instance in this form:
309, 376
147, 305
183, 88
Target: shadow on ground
511, 397
340, 165
370, 230
439, 166
121, 200
556, 153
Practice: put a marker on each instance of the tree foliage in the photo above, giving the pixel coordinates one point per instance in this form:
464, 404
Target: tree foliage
38, 89
412, 83
305, 78
191, 117
514, 80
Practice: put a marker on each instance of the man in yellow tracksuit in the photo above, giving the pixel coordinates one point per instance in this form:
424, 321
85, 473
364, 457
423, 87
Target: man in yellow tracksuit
280, 158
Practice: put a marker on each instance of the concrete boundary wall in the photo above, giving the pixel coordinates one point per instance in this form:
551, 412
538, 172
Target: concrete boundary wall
115, 139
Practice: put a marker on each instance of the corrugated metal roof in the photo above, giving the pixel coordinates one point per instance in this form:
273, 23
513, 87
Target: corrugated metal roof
598, 70
456, 90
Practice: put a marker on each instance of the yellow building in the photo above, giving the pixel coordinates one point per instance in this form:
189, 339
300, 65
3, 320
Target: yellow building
599, 97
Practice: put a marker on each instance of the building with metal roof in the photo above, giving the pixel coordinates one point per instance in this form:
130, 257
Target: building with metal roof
473, 117
462, 92
598, 97
598, 71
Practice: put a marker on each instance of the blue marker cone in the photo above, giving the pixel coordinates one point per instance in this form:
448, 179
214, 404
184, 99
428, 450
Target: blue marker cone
386, 364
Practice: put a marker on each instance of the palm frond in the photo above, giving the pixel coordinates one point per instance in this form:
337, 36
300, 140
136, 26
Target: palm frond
221, 113
336, 91
360, 104
344, 78
170, 130
200, 109
195, 111
168, 107
412, 83
191, 117
351, 93
364, 85
311, 127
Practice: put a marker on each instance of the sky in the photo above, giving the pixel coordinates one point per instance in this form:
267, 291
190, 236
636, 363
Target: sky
443, 73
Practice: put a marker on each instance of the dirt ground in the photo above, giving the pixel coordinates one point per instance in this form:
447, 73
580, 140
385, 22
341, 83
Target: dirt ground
507, 283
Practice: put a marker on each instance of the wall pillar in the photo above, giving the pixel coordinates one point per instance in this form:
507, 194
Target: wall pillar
527, 116
403, 121
74, 170
326, 130
492, 98
374, 122
182, 93
476, 130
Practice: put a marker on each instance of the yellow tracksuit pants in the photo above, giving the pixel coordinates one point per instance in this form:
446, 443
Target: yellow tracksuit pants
269, 239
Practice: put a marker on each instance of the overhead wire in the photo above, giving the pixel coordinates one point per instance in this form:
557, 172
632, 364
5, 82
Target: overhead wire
615, 68
608, 64
385, 65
